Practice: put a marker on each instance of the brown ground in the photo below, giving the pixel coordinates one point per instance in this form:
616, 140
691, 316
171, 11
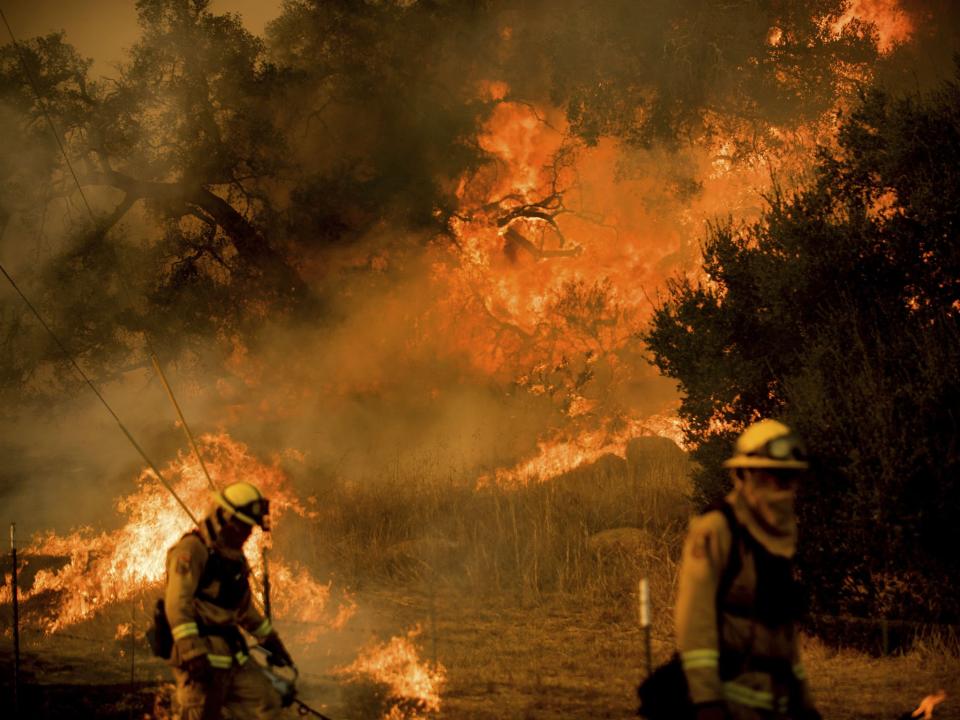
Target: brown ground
504, 659
564, 660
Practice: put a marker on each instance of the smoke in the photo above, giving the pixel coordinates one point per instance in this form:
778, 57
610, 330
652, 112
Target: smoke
448, 336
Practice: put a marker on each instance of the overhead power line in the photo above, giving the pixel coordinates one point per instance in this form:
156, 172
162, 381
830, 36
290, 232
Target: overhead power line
153, 356
83, 375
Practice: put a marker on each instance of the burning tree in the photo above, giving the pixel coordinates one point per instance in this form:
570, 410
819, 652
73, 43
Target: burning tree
385, 218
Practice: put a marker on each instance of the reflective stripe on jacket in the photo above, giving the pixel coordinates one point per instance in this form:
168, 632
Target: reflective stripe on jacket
197, 624
723, 668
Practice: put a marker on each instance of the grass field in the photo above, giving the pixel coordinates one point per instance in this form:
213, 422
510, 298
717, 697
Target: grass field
526, 596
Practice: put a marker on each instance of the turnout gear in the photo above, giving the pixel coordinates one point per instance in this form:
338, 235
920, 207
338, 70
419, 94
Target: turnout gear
244, 502
243, 690
769, 445
198, 669
712, 711
207, 601
278, 657
737, 601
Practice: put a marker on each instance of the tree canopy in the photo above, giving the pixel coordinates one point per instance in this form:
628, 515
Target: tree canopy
239, 159
840, 311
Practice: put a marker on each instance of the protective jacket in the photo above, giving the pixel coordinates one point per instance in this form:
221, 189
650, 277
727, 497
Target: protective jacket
208, 599
735, 616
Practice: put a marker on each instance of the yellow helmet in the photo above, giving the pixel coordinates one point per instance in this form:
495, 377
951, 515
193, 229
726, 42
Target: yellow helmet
244, 502
770, 445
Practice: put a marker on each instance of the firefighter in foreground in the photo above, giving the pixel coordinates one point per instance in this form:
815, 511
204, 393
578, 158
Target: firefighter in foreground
737, 603
207, 601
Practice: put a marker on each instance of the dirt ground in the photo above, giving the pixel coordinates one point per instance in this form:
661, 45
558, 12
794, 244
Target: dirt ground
504, 659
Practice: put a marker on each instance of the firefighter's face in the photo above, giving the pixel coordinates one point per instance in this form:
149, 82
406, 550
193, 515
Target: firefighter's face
773, 481
772, 495
235, 532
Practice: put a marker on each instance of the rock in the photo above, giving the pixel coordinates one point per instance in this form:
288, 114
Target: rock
621, 541
653, 448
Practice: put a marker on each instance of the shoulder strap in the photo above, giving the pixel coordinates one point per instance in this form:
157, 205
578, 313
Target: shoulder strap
196, 533
734, 560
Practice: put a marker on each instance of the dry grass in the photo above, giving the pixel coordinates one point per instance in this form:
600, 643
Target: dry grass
849, 684
529, 620
522, 542
567, 659
531, 623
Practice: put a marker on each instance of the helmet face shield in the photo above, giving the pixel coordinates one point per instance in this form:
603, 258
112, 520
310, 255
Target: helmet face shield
769, 445
259, 510
786, 447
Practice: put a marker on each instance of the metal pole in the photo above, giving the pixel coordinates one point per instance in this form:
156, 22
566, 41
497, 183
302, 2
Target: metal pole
644, 598
266, 586
133, 654
16, 623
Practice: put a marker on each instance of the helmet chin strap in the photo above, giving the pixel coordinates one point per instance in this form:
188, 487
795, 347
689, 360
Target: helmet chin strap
231, 531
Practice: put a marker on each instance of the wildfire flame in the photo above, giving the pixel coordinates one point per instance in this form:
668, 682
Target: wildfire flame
559, 455
111, 567
894, 25
925, 709
413, 686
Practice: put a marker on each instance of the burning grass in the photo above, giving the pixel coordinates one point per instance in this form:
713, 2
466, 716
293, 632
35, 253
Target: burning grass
526, 542
110, 567
389, 680
526, 596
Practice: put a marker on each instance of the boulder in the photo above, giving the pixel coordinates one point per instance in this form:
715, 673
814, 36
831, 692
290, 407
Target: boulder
628, 541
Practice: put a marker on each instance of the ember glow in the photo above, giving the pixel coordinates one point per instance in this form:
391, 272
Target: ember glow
560, 455
894, 25
413, 686
111, 567
926, 707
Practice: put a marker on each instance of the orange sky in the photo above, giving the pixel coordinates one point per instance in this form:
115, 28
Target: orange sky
101, 29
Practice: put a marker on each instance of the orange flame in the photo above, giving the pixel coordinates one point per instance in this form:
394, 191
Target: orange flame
397, 665
111, 567
925, 709
559, 455
894, 25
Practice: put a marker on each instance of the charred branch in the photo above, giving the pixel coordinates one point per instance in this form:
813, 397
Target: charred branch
194, 199
503, 325
514, 241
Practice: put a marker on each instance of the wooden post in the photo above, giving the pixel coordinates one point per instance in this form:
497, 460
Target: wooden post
16, 623
644, 601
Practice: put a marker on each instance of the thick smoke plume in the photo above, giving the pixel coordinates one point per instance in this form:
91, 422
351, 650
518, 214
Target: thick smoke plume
447, 225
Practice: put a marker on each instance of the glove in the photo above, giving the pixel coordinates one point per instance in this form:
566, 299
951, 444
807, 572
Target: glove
712, 711
198, 669
279, 657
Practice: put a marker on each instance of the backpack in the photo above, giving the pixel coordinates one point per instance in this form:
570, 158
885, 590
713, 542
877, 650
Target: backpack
233, 576
159, 634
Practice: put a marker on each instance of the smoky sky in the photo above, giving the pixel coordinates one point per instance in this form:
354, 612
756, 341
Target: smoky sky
102, 29
388, 374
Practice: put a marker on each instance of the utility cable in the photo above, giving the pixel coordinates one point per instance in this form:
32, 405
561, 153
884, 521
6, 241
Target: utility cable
83, 375
45, 111
153, 356
183, 420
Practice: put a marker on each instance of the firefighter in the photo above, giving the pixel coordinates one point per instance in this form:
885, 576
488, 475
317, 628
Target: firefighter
737, 602
208, 601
